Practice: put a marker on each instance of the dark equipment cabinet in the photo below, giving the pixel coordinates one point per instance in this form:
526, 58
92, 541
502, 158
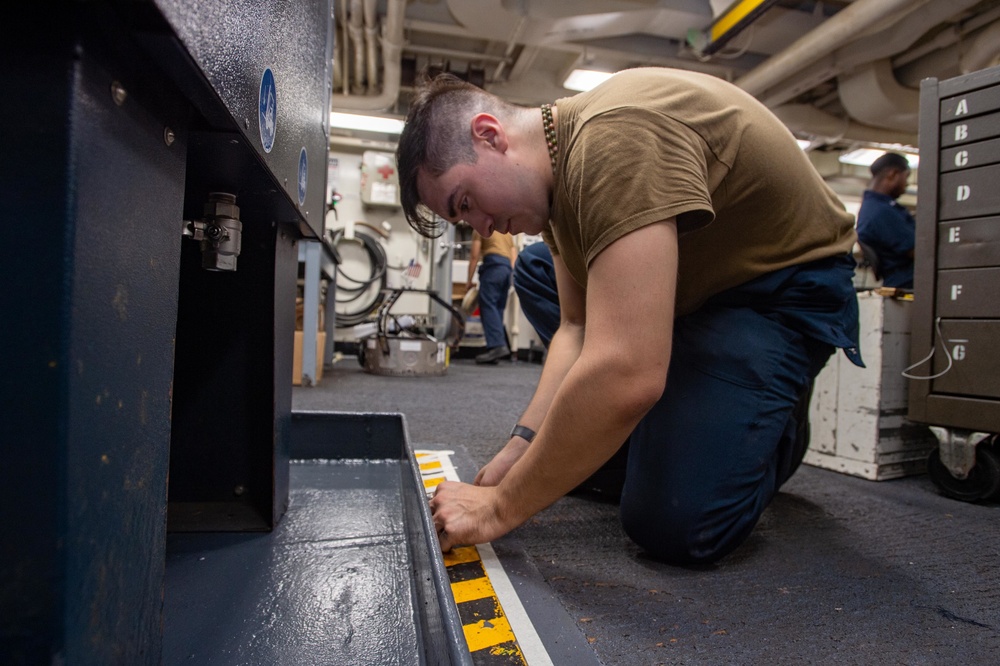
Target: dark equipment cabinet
956, 319
161, 161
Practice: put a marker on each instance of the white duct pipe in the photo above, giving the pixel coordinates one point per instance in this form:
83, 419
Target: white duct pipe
371, 39
355, 29
803, 118
872, 95
392, 49
983, 52
901, 35
842, 27
343, 56
875, 46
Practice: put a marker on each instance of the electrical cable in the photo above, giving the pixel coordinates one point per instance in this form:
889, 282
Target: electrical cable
937, 329
359, 287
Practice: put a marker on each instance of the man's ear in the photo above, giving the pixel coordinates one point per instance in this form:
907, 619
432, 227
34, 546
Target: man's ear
488, 130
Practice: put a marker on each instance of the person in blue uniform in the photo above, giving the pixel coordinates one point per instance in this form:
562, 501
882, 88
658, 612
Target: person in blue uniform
884, 226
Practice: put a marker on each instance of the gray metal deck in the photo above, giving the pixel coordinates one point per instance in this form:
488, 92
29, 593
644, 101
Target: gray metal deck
839, 571
347, 577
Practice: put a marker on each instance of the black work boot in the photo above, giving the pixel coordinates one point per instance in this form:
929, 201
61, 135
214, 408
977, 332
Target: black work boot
493, 354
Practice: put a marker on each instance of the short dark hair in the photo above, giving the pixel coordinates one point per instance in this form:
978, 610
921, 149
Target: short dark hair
436, 138
889, 161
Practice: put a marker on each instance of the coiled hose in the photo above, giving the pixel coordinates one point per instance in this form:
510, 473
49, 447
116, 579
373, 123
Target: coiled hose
354, 288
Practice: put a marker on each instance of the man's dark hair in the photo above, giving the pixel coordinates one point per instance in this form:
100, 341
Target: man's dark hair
889, 161
435, 138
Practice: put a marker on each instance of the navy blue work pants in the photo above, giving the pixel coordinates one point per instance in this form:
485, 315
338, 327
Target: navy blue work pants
494, 285
707, 459
535, 284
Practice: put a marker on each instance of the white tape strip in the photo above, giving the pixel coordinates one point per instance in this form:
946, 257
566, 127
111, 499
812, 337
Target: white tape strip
528, 639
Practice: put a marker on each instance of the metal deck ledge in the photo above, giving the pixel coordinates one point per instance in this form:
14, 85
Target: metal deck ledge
351, 575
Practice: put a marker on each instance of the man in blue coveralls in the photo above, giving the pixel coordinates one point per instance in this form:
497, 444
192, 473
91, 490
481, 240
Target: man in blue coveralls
886, 227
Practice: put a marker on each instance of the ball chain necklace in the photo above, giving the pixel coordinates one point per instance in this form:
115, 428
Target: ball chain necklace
549, 125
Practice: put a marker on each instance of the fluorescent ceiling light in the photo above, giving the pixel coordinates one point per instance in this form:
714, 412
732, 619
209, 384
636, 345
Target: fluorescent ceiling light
865, 157
803, 143
585, 79
366, 123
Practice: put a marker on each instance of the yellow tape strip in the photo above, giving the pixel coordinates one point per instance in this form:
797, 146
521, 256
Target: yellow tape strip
461, 555
487, 633
491, 635
470, 590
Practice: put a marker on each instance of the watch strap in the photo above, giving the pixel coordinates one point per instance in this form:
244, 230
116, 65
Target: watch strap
522, 431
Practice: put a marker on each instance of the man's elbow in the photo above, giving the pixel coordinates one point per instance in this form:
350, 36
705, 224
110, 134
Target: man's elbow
639, 388
648, 390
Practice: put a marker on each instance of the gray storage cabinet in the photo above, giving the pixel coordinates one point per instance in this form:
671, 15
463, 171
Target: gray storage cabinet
956, 390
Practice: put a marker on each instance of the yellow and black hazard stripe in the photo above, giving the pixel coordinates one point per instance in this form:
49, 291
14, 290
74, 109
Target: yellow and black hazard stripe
487, 630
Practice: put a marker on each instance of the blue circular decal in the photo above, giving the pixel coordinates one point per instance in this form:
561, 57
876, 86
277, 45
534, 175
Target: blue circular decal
303, 175
267, 103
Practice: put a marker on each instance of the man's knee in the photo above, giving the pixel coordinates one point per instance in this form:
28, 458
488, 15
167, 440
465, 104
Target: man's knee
696, 535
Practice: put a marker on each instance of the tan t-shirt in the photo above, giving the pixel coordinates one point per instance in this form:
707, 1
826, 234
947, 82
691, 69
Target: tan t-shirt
655, 143
502, 244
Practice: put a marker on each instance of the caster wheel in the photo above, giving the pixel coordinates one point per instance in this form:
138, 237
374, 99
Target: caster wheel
982, 483
361, 355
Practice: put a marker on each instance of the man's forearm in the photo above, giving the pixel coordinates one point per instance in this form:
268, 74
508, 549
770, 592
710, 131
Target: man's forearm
564, 349
593, 411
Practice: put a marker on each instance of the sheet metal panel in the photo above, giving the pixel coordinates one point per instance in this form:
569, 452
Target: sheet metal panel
969, 243
970, 292
242, 47
971, 365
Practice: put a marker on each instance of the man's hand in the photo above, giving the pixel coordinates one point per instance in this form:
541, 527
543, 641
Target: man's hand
466, 515
494, 472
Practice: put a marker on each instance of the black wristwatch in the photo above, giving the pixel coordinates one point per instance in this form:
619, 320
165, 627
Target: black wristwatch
523, 432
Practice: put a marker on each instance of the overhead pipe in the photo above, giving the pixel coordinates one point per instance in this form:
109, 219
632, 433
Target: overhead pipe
806, 119
948, 37
872, 95
356, 31
837, 30
984, 51
392, 49
875, 46
511, 45
341, 72
371, 46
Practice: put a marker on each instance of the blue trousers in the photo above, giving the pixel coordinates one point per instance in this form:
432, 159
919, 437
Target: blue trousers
731, 426
535, 284
494, 285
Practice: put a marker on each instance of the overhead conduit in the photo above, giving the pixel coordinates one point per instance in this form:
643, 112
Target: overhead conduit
842, 27
983, 51
392, 49
881, 109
